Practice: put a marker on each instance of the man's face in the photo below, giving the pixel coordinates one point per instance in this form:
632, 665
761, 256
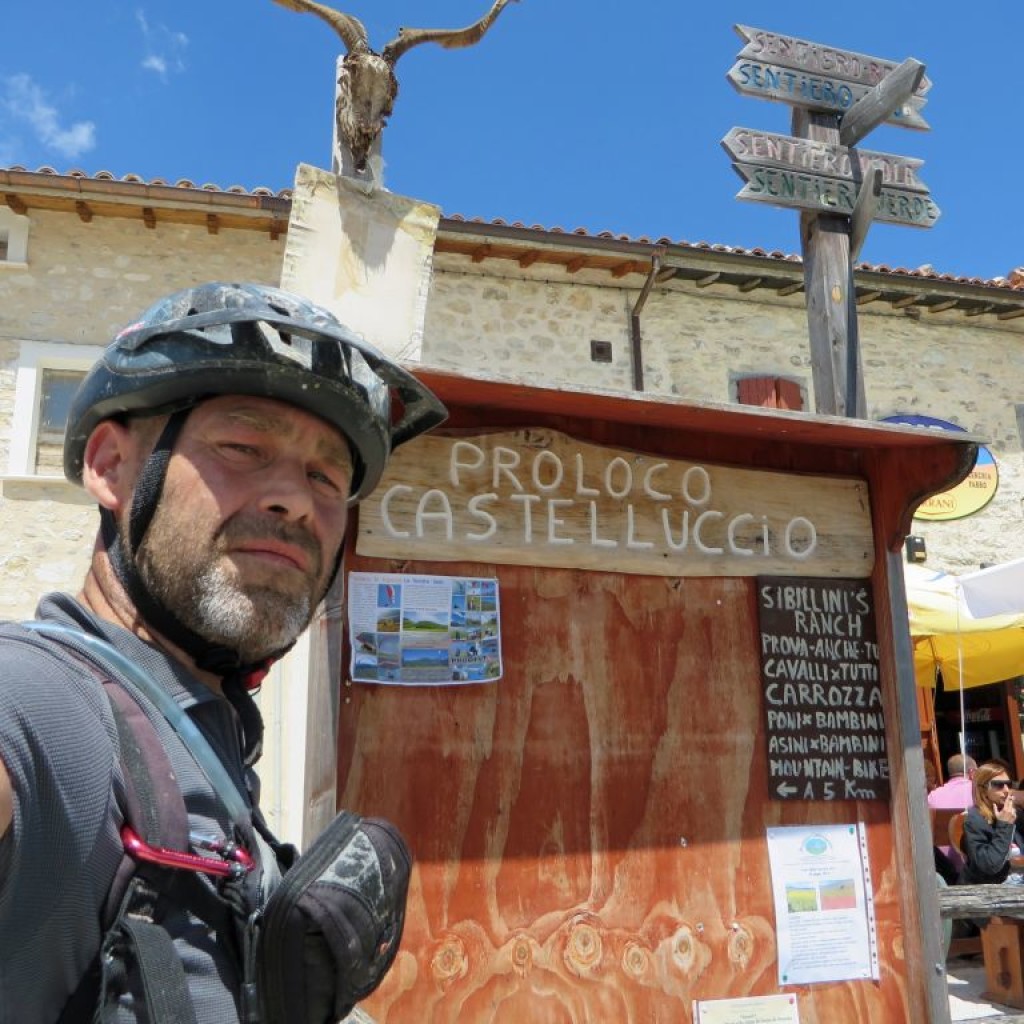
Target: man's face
250, 521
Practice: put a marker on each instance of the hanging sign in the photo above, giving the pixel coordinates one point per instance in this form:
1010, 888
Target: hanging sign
972, 494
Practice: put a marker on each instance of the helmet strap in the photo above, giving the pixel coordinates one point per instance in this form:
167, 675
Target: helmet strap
209, 656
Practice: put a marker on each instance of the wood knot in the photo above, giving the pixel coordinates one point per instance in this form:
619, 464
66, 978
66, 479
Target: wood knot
522, 955
584, 948
741, 946
449, 961
636, 960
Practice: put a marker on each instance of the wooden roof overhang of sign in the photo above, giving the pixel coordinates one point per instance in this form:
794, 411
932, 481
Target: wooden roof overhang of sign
900, 465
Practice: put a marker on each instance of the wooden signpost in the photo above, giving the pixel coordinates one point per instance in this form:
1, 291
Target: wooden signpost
837, 97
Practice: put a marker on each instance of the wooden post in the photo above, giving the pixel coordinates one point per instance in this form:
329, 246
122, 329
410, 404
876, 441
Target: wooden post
828, 283
911, 824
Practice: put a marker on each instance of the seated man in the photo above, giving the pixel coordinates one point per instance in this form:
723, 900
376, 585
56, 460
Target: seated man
956, 794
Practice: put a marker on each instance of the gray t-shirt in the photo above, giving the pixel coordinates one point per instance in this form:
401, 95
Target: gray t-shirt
59, 744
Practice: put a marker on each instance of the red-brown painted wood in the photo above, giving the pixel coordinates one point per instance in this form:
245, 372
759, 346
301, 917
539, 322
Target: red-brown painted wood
590, 830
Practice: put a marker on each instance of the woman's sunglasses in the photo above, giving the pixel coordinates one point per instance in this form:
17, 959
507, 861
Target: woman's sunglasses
1000, 783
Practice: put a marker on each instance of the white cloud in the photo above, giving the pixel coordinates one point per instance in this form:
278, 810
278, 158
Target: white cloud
24, 101
165, 48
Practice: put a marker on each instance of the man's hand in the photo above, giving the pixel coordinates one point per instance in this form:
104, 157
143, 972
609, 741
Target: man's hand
6, 800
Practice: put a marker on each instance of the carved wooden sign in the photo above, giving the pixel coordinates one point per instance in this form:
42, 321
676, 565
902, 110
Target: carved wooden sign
773, 66
539, 497
822, 690
787, 171
816, 58
803, 191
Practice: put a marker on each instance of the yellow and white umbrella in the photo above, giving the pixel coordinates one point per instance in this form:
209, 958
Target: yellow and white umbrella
951, 632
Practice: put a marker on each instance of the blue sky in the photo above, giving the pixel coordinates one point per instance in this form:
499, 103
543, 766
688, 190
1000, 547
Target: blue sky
572, 113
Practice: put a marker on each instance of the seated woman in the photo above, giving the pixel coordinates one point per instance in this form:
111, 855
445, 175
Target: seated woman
991, 844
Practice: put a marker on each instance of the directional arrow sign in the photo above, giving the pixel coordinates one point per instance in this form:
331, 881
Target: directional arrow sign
766, 149
826, 61
804, 191
801, 88
786, 790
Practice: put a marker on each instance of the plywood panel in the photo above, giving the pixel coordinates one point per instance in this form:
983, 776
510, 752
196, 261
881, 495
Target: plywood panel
589, 831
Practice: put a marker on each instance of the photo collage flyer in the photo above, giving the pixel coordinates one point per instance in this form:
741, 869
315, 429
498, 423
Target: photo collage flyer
423, 630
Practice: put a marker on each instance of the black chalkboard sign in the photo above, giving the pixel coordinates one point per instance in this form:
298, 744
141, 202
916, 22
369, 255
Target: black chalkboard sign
822, 692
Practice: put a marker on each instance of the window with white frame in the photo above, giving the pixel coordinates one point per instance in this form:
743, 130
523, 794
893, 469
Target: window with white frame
13, 237
47, 378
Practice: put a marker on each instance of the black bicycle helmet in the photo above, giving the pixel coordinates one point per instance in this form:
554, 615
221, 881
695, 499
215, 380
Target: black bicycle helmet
238, 339
250, 339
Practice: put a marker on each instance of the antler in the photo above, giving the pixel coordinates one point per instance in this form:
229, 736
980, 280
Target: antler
407, 38
350, 28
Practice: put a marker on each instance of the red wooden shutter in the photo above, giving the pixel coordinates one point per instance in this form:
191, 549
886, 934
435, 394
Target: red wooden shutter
770, 392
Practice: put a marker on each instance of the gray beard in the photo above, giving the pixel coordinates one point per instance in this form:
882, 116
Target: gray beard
255, 623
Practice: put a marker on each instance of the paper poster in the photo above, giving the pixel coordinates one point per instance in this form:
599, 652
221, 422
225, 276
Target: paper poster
367, 257
824, 908
423, 630
778, 1009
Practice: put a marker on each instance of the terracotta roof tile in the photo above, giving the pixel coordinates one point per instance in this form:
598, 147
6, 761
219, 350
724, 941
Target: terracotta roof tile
1014, 280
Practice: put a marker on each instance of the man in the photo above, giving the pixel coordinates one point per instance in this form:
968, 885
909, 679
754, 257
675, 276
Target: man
957, 792
224, 437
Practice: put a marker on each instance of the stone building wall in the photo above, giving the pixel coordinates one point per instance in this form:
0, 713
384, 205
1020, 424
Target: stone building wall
82, 283
537, 327
84, 280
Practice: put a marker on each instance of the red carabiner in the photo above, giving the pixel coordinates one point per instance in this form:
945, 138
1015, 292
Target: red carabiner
137, 847
226, 849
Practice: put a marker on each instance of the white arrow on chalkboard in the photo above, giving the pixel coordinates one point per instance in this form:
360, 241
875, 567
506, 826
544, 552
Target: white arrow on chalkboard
786, 790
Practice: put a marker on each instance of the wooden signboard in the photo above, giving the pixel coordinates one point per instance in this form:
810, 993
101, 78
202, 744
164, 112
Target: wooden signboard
804, 74
772, 82
803, 191
822, 690
591, 832
767, 149
845, 65
539, 497
787, 171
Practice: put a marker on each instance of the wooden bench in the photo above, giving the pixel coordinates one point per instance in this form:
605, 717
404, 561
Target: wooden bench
1001, 939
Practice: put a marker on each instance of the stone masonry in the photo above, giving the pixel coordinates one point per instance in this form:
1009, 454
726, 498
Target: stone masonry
85, 279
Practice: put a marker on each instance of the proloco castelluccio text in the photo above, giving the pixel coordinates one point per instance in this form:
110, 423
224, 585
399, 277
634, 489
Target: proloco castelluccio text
550, 500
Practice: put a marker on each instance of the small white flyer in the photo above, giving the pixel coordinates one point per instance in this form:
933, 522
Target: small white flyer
423, 630
777, 1009
824, 907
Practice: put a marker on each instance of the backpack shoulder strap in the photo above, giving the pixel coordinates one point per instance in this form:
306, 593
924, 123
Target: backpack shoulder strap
139, 895
112, 664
